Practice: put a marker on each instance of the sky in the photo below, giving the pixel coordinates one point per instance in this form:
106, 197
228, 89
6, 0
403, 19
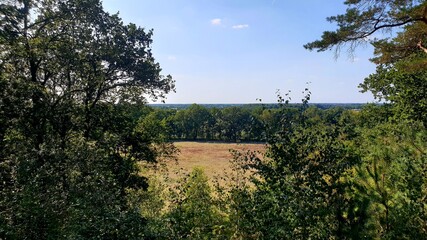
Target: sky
238, 51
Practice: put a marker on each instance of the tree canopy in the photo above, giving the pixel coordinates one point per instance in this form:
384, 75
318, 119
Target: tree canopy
69, 153
365, 18
398, 32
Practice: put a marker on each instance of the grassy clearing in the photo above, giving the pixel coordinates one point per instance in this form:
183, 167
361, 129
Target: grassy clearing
213, 158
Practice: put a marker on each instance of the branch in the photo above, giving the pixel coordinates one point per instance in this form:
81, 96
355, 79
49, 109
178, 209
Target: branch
376, 28
421, 46
356, 33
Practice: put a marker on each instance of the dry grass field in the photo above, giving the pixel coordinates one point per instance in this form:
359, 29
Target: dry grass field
212, 157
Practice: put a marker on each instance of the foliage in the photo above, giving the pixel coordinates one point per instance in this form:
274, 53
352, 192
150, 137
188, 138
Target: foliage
364, 18
392, 144
406, 90
193, 213
401, 60
153, 208
230, 124
300, 187
392, 177
69, 153
391, 138
358, 176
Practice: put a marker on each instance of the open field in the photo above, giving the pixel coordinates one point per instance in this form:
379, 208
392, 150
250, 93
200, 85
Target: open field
212, 157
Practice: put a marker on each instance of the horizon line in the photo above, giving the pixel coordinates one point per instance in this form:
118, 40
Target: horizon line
160, 103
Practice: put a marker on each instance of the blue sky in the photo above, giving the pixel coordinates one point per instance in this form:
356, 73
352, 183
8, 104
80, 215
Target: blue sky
237, 51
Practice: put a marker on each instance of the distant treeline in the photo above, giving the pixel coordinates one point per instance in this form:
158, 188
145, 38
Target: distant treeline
236, 123
257, 105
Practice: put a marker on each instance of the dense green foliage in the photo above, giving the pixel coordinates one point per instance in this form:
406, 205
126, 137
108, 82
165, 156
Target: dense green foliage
69, 148
253, 123
321, 182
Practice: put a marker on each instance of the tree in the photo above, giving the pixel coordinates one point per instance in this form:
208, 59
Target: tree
234, 123
391, 138
365, 18
68, 152
193, 214
407, 91
392, 176
198, 119
401, 59
301, 191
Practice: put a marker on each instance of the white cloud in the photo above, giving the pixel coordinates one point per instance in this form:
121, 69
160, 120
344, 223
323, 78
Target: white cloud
216, 21
240, 26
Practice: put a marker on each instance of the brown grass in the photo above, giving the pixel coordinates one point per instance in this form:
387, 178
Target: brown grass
214, 158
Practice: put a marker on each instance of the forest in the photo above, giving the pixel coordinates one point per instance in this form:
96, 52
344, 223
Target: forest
243, 123
80, 148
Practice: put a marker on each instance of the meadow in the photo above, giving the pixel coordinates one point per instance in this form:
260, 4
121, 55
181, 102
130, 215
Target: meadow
213, 157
